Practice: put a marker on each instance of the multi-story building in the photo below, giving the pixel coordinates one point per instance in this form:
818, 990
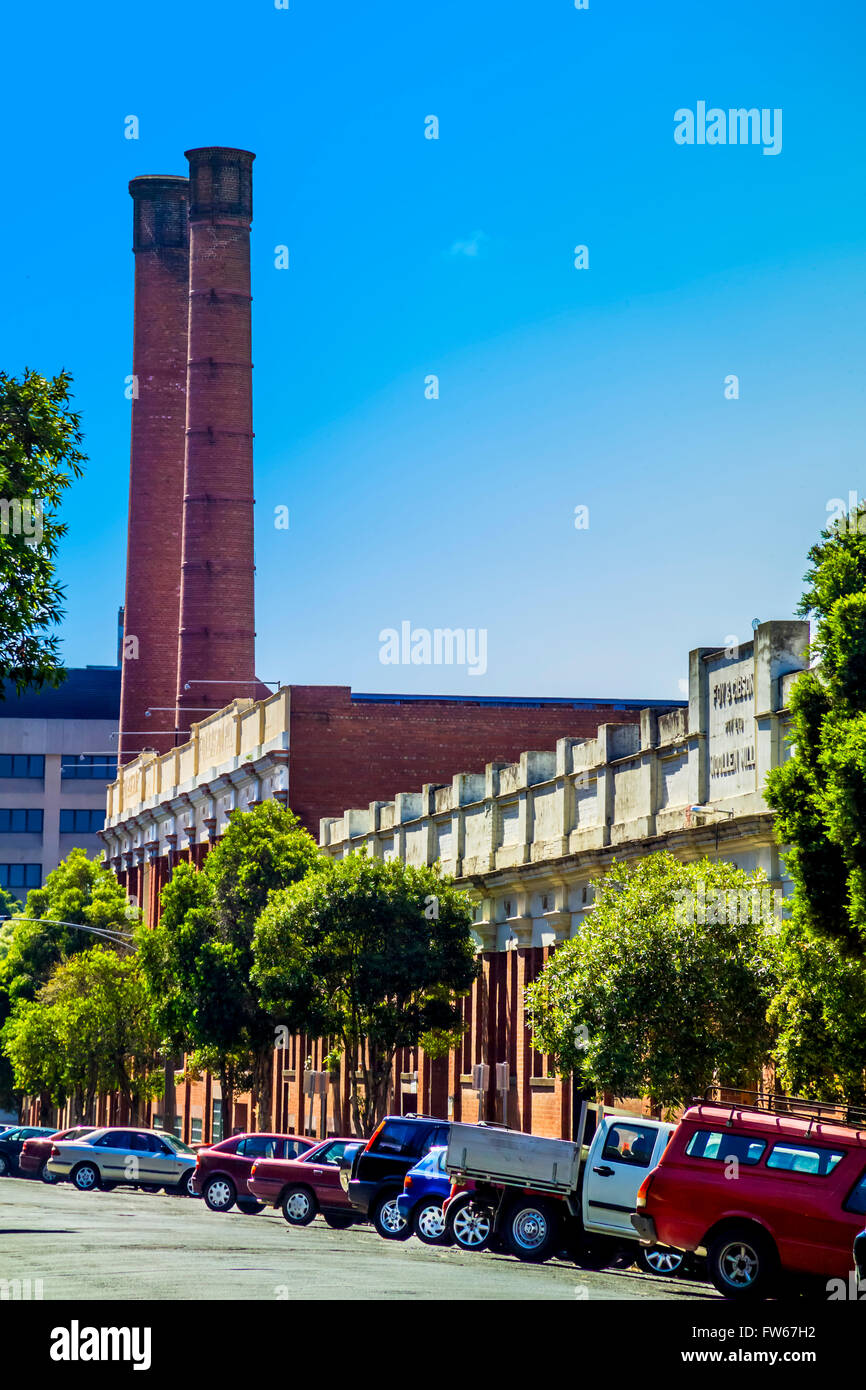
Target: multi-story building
58, 750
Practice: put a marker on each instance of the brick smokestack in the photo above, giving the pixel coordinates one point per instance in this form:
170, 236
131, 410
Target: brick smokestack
151, 609
216, 636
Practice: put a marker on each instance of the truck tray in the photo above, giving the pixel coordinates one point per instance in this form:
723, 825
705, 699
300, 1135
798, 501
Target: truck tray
509, 1156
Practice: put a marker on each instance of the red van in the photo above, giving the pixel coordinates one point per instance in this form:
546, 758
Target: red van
765, 1187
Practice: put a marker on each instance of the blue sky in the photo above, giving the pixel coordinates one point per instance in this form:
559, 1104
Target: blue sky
409, 257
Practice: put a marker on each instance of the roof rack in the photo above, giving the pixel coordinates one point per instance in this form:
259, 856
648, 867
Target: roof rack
797, 1107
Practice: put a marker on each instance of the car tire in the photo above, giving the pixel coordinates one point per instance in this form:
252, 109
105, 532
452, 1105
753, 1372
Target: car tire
86, 1177
339, 1220
184, 1187
4, 1166
470, 1225
661, 1259
249, 1206
44, 1176
532, 1230
743, 1263
298, 1206
220, 1194
388, 1220
429, 1223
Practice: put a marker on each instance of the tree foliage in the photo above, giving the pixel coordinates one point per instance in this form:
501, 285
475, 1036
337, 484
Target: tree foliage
666, 987
89, 1030
197, 961
370, 954
819, 796
39, 457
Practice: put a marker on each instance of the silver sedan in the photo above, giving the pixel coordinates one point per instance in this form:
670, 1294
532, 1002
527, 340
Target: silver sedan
146, 1158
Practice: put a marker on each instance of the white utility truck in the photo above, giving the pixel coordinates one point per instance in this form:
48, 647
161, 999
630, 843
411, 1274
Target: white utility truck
544, 1195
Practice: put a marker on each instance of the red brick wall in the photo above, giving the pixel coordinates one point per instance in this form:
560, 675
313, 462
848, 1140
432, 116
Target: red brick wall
345, 753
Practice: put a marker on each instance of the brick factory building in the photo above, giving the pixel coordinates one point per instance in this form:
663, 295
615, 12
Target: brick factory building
189, 636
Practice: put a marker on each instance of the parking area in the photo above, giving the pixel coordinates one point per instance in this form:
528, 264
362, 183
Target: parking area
128, 1244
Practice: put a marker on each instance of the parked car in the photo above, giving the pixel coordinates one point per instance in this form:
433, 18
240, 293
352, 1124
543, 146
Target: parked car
860, 1259
540, 1196
222, 1170
769, 1187
147, 1158
34, 1156
425, 1189
305, 1185
375, 1179
12, 1142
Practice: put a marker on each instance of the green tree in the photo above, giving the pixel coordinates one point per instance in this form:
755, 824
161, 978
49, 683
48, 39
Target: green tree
369, 954
88, 1031
819, 796
39, 457
79, 890
198, 960
666, 987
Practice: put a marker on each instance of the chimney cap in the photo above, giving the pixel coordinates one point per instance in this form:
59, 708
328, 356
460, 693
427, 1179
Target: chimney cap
146, 185
221, 183
229, 150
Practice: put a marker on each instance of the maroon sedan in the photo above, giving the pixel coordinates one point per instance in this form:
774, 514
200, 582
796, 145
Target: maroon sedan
308, 1184
222, 1170
36, 1152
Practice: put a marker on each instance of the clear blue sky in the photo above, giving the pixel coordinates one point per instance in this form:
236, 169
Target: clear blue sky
558, 387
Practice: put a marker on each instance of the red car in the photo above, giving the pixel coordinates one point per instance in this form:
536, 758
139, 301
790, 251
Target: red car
222, 1170
768, 1188
307, 1185
36, 1152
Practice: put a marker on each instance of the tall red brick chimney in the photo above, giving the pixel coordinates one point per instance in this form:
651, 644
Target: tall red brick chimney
160, 242
215, 654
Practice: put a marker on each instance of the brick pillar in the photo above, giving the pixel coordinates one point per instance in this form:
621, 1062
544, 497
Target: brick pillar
160, 242
216, 638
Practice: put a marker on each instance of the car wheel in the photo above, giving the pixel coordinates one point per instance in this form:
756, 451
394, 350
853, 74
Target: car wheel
429, 1224
4, 1166
220, 1194
743, 1263
299, 1206
45, 1176
389, 1220
185, 1188
249, 1206
471, 1225
339, 1220
531, 1231
660, 1259
86, 1177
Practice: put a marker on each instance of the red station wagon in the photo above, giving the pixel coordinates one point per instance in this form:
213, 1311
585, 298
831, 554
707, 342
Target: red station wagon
307, 1185
767, 1188
222, 1170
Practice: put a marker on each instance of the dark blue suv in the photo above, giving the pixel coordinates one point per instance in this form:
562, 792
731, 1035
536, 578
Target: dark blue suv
375, 1179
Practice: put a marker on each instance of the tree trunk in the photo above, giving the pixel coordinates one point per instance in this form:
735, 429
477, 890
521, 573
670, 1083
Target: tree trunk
263, 1086
169, 1107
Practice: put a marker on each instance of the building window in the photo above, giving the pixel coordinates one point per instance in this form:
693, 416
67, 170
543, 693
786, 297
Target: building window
18, 821
157, 1122
178, 1126
89, 766
508, 907
216, 1130
544, 903
194, 1130
85, 822
22, 765
18, 877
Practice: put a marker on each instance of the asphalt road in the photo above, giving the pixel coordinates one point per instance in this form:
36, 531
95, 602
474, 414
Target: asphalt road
127, 1244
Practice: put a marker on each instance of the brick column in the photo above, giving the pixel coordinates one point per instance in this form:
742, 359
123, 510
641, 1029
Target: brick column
160, 242
216, 638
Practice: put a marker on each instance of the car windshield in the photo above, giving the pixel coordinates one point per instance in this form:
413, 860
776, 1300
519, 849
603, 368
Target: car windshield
177, 1144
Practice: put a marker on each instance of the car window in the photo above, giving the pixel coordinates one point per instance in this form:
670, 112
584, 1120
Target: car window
293, 1149
629, 1143
333, 1153
798, 1159
721, 1146
113, 1139
856, 1199
11, 1134
433, 1139
258, 1146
